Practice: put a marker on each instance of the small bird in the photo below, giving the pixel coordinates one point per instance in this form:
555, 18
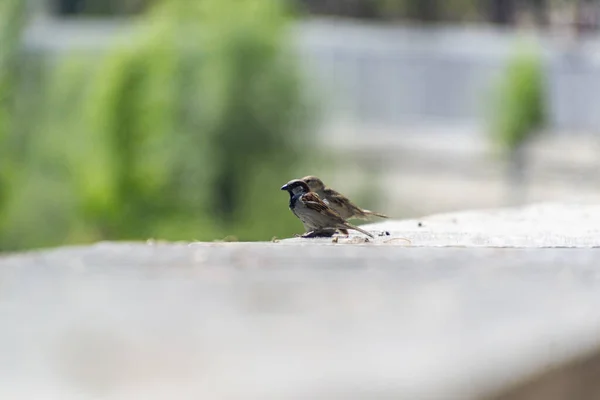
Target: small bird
337, 201
316, 216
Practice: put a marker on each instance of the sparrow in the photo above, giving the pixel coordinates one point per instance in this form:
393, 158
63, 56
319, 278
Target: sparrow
316, 216
337, 201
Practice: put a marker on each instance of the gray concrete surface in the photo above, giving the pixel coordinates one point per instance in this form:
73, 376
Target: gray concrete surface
479, 302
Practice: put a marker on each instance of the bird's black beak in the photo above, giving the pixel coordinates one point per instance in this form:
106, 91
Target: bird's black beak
284, 187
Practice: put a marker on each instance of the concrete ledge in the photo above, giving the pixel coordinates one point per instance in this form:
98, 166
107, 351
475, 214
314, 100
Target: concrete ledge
314, 319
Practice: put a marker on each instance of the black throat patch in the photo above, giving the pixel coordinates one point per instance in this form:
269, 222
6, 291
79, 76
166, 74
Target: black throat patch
293, 199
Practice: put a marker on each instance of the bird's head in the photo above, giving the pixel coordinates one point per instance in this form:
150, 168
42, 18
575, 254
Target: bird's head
314, 183
296, 186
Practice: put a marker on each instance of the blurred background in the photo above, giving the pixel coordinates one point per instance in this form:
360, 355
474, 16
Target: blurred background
179, 120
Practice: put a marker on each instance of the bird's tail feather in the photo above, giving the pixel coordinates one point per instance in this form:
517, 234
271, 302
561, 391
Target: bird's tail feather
368, 212
356, 228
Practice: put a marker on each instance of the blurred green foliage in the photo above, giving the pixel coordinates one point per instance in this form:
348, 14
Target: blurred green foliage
519, 104
184, 132
11, 24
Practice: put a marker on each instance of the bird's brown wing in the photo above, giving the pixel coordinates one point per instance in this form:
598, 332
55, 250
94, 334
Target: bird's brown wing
343, 202
312, 201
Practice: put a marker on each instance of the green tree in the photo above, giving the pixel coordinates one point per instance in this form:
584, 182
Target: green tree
187, 130
11, 24
519, 111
